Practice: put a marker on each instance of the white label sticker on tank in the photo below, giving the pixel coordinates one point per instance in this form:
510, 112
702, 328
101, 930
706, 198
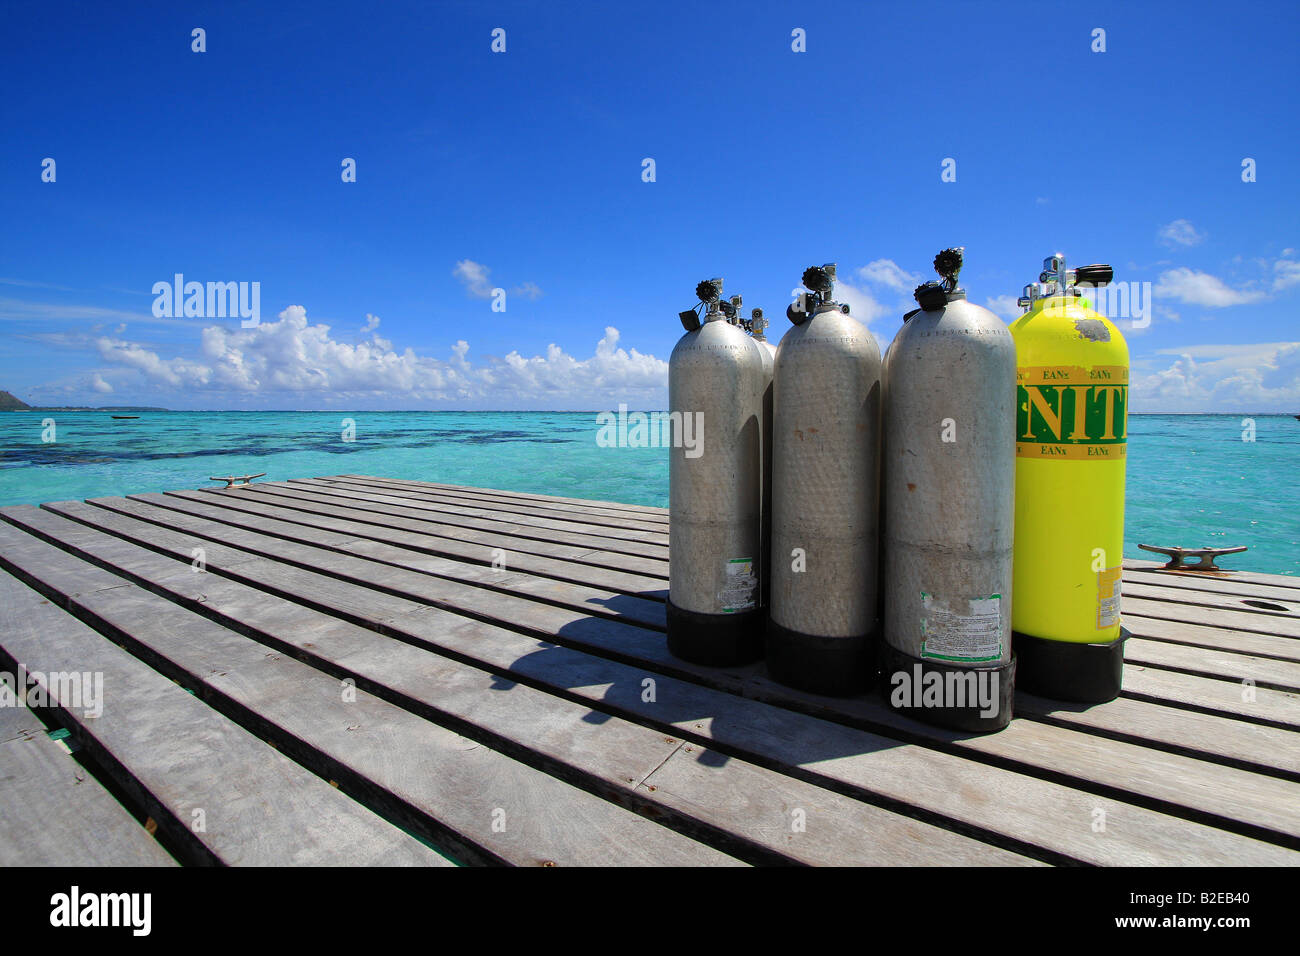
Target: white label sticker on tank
974, 636
1108, 593
738, 586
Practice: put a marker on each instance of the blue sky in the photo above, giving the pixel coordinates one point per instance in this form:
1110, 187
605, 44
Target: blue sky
522, 171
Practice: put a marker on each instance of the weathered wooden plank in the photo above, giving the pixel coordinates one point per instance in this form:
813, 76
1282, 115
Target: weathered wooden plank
1258, 704
456, 518
1239, 743
1264, 671
648, 510
522, 514
1201, 606
462, 784
510, 579
1043, 749
1178, 583
1249, 577
256, 806
1247, 621
811, 820
1169, 781
297, 584
520, 511
1213, 638
312, 501
379, 577
55, 812
593, 513
394, 531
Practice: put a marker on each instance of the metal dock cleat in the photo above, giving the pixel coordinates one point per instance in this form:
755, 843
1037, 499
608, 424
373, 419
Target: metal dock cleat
236, 481
1178, 556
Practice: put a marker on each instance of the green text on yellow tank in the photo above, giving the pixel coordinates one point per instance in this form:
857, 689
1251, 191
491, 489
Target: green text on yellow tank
1071, 433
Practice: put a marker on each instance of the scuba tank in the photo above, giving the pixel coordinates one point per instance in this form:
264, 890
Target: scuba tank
825, 496
1071, 432
757, 327
715, 396
948, 467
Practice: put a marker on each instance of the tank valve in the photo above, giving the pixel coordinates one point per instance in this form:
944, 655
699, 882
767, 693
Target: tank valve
731, 310
930, 296
818, 279
948, 263
933, 296
1056, 279
709, 293
821, 280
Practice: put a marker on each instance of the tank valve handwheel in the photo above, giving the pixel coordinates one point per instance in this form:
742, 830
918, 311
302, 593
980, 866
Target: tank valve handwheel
709, 291
948, 263
817, 279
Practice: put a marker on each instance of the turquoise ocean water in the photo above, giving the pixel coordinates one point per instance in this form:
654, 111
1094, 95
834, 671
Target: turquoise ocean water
1192, 480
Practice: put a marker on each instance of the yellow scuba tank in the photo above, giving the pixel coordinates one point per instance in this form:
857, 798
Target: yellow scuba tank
1071, 432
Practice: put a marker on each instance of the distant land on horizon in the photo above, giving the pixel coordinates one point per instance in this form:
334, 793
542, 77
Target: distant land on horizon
10, 403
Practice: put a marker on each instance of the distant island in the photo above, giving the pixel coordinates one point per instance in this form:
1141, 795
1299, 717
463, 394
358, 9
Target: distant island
8, 403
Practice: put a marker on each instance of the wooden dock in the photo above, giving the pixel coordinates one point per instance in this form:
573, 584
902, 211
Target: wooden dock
356, 670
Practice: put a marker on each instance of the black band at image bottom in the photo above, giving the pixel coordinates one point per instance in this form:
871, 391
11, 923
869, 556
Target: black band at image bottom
715, 640
1067, 670
833, 666
948, 695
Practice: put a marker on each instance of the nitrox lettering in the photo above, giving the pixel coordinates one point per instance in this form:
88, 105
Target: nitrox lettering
1065, 411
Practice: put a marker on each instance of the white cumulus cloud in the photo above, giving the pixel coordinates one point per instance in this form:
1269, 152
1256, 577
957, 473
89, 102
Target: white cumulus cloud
476, 278
863, 306
529, 291
1222, 378
1180, 232
1201, 288
888, 273
1286, 273
292, 356
1004, 305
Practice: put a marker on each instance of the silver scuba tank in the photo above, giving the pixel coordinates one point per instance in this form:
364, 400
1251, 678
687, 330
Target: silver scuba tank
825, 496
948, 489
715, 404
